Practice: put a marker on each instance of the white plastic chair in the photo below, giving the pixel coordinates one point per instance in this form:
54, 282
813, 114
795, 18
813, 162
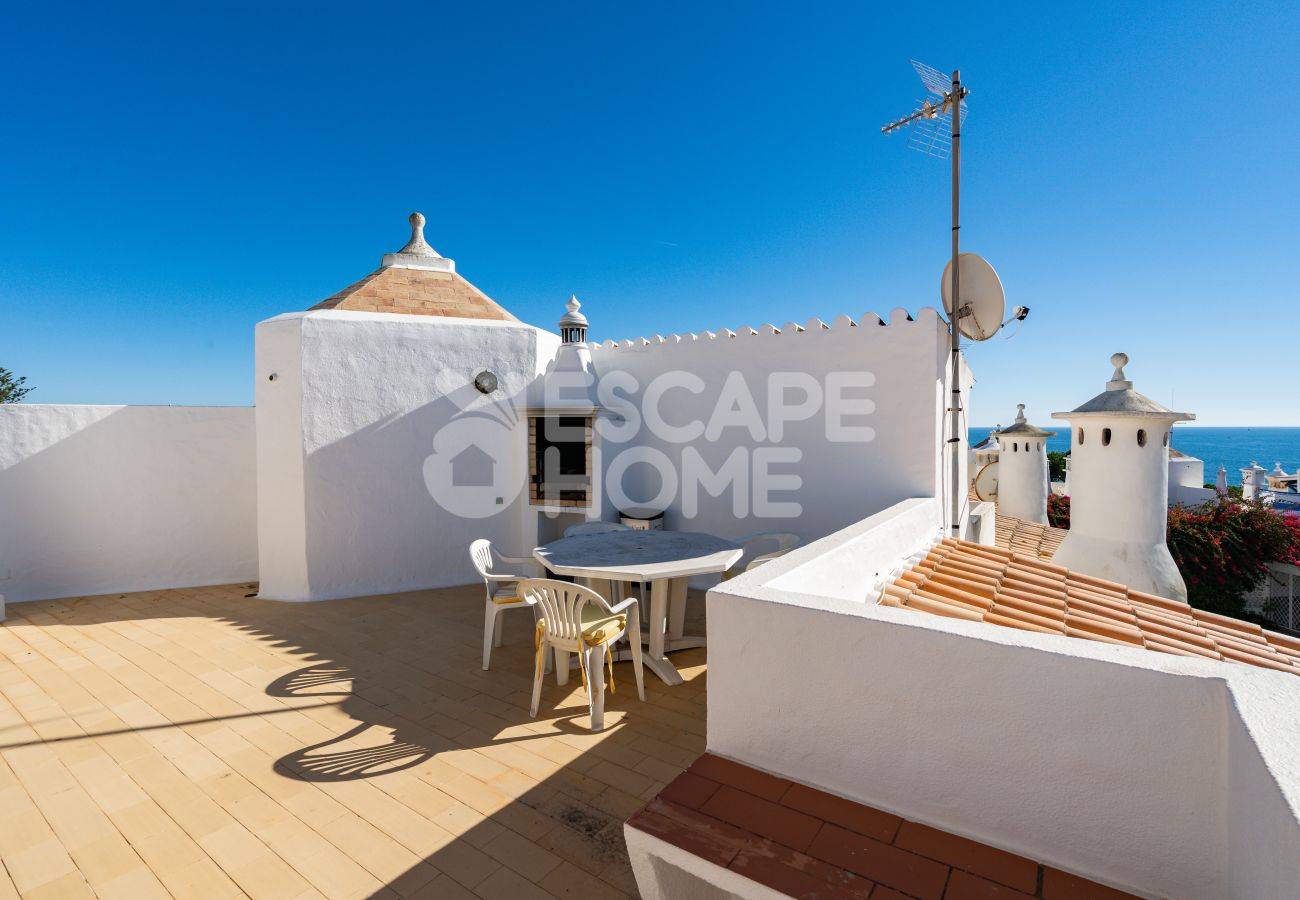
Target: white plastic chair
575, 619
502, 589
595, 528
785, 542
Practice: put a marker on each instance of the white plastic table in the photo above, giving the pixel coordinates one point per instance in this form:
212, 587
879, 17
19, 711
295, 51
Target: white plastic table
664, 559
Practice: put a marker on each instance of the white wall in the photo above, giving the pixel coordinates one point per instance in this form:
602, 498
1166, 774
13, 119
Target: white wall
97, 499
356, 407
1187, 481
1158, 774
838, 482
281, 504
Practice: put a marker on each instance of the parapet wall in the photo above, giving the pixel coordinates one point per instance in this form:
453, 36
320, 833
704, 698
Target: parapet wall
97, 499
1162, 775
889, 380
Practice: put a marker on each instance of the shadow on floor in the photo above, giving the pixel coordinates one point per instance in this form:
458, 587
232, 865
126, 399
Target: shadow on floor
391, 692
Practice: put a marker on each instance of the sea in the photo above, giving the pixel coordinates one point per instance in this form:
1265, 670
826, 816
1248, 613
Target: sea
1235, 448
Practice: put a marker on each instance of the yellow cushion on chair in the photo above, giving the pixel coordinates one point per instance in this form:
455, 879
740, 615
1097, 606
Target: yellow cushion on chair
598, 626
506, 594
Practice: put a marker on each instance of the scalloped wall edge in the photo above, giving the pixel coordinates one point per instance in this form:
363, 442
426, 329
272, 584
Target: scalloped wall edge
898, 316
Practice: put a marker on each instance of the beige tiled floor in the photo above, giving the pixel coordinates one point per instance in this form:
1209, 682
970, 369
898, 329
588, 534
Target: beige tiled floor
203, 743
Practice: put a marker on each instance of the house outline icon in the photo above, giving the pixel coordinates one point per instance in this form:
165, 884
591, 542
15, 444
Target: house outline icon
473, 467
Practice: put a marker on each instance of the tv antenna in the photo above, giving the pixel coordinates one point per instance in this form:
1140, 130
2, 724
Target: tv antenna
936, 131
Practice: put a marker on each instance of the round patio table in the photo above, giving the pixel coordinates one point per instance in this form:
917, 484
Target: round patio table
664, 560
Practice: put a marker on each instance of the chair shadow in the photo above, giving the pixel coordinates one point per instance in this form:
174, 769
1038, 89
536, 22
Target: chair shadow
334, 760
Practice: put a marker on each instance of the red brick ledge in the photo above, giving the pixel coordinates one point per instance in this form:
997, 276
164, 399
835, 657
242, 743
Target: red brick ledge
807, 843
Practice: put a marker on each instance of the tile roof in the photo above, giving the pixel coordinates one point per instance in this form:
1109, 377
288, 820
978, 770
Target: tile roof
1021, 536
1015, 590
424, 292
803, 842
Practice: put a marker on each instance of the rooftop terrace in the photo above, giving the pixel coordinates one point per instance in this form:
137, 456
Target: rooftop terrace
202, 743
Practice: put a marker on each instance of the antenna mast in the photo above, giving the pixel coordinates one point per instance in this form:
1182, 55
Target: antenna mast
936, 135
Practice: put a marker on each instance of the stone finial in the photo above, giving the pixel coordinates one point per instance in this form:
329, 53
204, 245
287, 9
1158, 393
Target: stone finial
1118, 381
1020, 413
573, 317
573, 324
417, 246
417, 254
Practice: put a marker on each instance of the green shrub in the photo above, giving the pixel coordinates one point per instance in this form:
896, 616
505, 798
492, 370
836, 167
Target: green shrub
1056, 465
12, 388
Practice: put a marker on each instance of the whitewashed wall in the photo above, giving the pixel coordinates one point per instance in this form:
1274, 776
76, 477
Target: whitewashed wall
344, 434
97, 499
1163, 775
1187, 481
837, 482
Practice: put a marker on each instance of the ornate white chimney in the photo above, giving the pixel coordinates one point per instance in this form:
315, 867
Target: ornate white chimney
1119, 489
1022, 470
1253, 481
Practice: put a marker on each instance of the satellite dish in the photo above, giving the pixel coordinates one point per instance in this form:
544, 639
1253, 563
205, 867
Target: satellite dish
981, 296
986, 482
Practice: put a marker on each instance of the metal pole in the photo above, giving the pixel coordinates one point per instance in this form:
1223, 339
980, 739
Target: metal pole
954, 409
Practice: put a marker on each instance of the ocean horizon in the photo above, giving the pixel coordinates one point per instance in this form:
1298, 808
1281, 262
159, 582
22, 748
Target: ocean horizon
1234, 447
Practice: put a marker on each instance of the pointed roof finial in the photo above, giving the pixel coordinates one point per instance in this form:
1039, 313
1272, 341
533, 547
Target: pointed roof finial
417, 246
1118, 381
1021, 427
417, 254
573, 317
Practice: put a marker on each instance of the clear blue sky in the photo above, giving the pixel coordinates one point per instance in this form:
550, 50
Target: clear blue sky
171, 177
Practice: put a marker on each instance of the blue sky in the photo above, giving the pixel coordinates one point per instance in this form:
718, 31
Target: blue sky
171, 176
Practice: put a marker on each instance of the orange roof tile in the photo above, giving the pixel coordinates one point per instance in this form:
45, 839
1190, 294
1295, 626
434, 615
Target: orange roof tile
1004, 587
1030, 538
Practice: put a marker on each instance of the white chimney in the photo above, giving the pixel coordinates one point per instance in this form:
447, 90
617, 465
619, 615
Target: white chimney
1119, 489
1252, 481
1022, 470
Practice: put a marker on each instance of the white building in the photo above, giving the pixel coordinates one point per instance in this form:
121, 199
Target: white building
399, 419
1022, 469
1119, 491
1253, 482
1187, 480
1064, 715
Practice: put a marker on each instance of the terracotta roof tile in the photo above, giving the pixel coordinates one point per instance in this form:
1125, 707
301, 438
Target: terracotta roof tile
1032, 540
421, 292
856, 851
970, 581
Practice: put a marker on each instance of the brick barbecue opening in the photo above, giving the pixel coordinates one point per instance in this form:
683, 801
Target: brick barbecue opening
559, 460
